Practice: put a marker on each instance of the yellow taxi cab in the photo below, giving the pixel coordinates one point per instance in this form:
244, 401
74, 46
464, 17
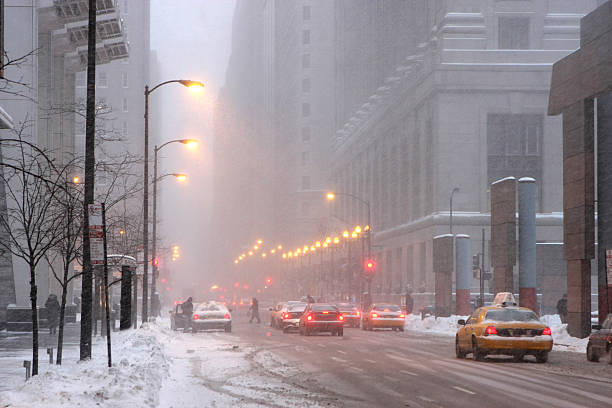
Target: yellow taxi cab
383, 316
506, 329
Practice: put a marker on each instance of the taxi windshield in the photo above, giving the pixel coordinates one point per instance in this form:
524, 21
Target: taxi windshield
511, 315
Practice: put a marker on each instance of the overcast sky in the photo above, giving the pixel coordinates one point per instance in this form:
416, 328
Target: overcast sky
192, 41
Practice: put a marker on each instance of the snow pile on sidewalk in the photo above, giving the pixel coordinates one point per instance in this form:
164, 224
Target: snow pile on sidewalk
561, 338
139, 366
447, 326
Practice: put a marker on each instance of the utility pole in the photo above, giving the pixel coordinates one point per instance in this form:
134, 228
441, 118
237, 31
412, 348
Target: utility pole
90, 159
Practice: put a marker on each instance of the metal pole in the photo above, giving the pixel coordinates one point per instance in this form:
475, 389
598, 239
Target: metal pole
451, 208
106, 288
154, 254
482, 270
145, 211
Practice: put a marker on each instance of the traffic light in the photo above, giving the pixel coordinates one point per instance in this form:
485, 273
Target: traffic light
156, 262
369, 266
268, 281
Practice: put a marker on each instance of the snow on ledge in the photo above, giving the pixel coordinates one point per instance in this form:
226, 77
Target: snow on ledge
504, 179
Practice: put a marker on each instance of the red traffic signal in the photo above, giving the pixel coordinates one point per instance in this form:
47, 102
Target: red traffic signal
268, 281
155, 262
369, 265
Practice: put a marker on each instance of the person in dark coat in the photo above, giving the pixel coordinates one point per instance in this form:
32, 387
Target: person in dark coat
409, 301
53, 310
254, 309
187, 308
310, 299
562, 308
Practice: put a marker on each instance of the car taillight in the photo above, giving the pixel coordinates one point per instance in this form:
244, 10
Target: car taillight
340, 317
491, 330
546, 332
286, 316
227, 316
402, 316
358, 313
374, 314
196, 317
309, 317
326, 312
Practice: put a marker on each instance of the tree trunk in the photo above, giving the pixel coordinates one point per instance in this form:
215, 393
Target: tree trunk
90, 129
33, 300
60, 335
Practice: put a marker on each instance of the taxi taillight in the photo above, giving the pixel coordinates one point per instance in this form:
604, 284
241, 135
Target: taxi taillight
374, 314
491, 330
196, 317
546, 332
227, 316
340, 317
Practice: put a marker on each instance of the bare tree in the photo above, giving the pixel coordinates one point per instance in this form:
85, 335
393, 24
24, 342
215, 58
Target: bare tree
32, 181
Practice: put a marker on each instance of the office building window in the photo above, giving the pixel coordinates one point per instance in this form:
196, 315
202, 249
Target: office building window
305, 158
124, 79
305, 134
305, 109
80, 78
306, 12
306, 37
305, 182
306, 85
305, 209
125, 104
514, 144
514, 33
305, 60
124, 10
102, 79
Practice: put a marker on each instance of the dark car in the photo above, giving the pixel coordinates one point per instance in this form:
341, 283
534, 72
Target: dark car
600, 341
321, 317
351, 313
290, 316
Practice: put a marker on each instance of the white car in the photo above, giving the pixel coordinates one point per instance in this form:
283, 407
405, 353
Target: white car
211, 316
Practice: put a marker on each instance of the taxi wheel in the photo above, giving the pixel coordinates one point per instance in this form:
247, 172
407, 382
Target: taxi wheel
591, 354
458, 352
477, 355
518, 357
542, 357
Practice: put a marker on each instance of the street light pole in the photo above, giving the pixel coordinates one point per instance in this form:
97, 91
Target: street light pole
455, 190
145, 200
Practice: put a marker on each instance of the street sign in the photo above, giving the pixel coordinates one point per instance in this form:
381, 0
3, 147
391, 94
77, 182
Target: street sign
96, 238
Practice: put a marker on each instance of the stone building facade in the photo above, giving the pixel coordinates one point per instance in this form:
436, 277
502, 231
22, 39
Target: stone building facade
466, 108
54, 75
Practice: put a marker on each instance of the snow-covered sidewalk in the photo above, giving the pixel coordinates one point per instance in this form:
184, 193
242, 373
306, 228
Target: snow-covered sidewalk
447, 326
155, 366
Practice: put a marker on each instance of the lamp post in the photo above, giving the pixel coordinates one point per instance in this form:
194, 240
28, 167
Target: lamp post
194, 85
455, 190
189, 143
368, 228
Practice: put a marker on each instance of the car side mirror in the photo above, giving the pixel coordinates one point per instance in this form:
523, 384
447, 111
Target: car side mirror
461, 322
596, 327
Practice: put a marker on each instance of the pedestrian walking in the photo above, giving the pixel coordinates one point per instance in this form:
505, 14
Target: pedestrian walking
254, 309
187, 308
562, 308
409, 300
52, 307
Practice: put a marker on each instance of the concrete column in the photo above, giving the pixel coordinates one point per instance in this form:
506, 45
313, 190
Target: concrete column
527, 190
578, 214
604, 202
443, 272
503, 233
462, 279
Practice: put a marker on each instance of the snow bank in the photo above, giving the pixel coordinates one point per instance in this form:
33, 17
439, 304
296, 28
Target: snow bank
447, 326
139, 366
